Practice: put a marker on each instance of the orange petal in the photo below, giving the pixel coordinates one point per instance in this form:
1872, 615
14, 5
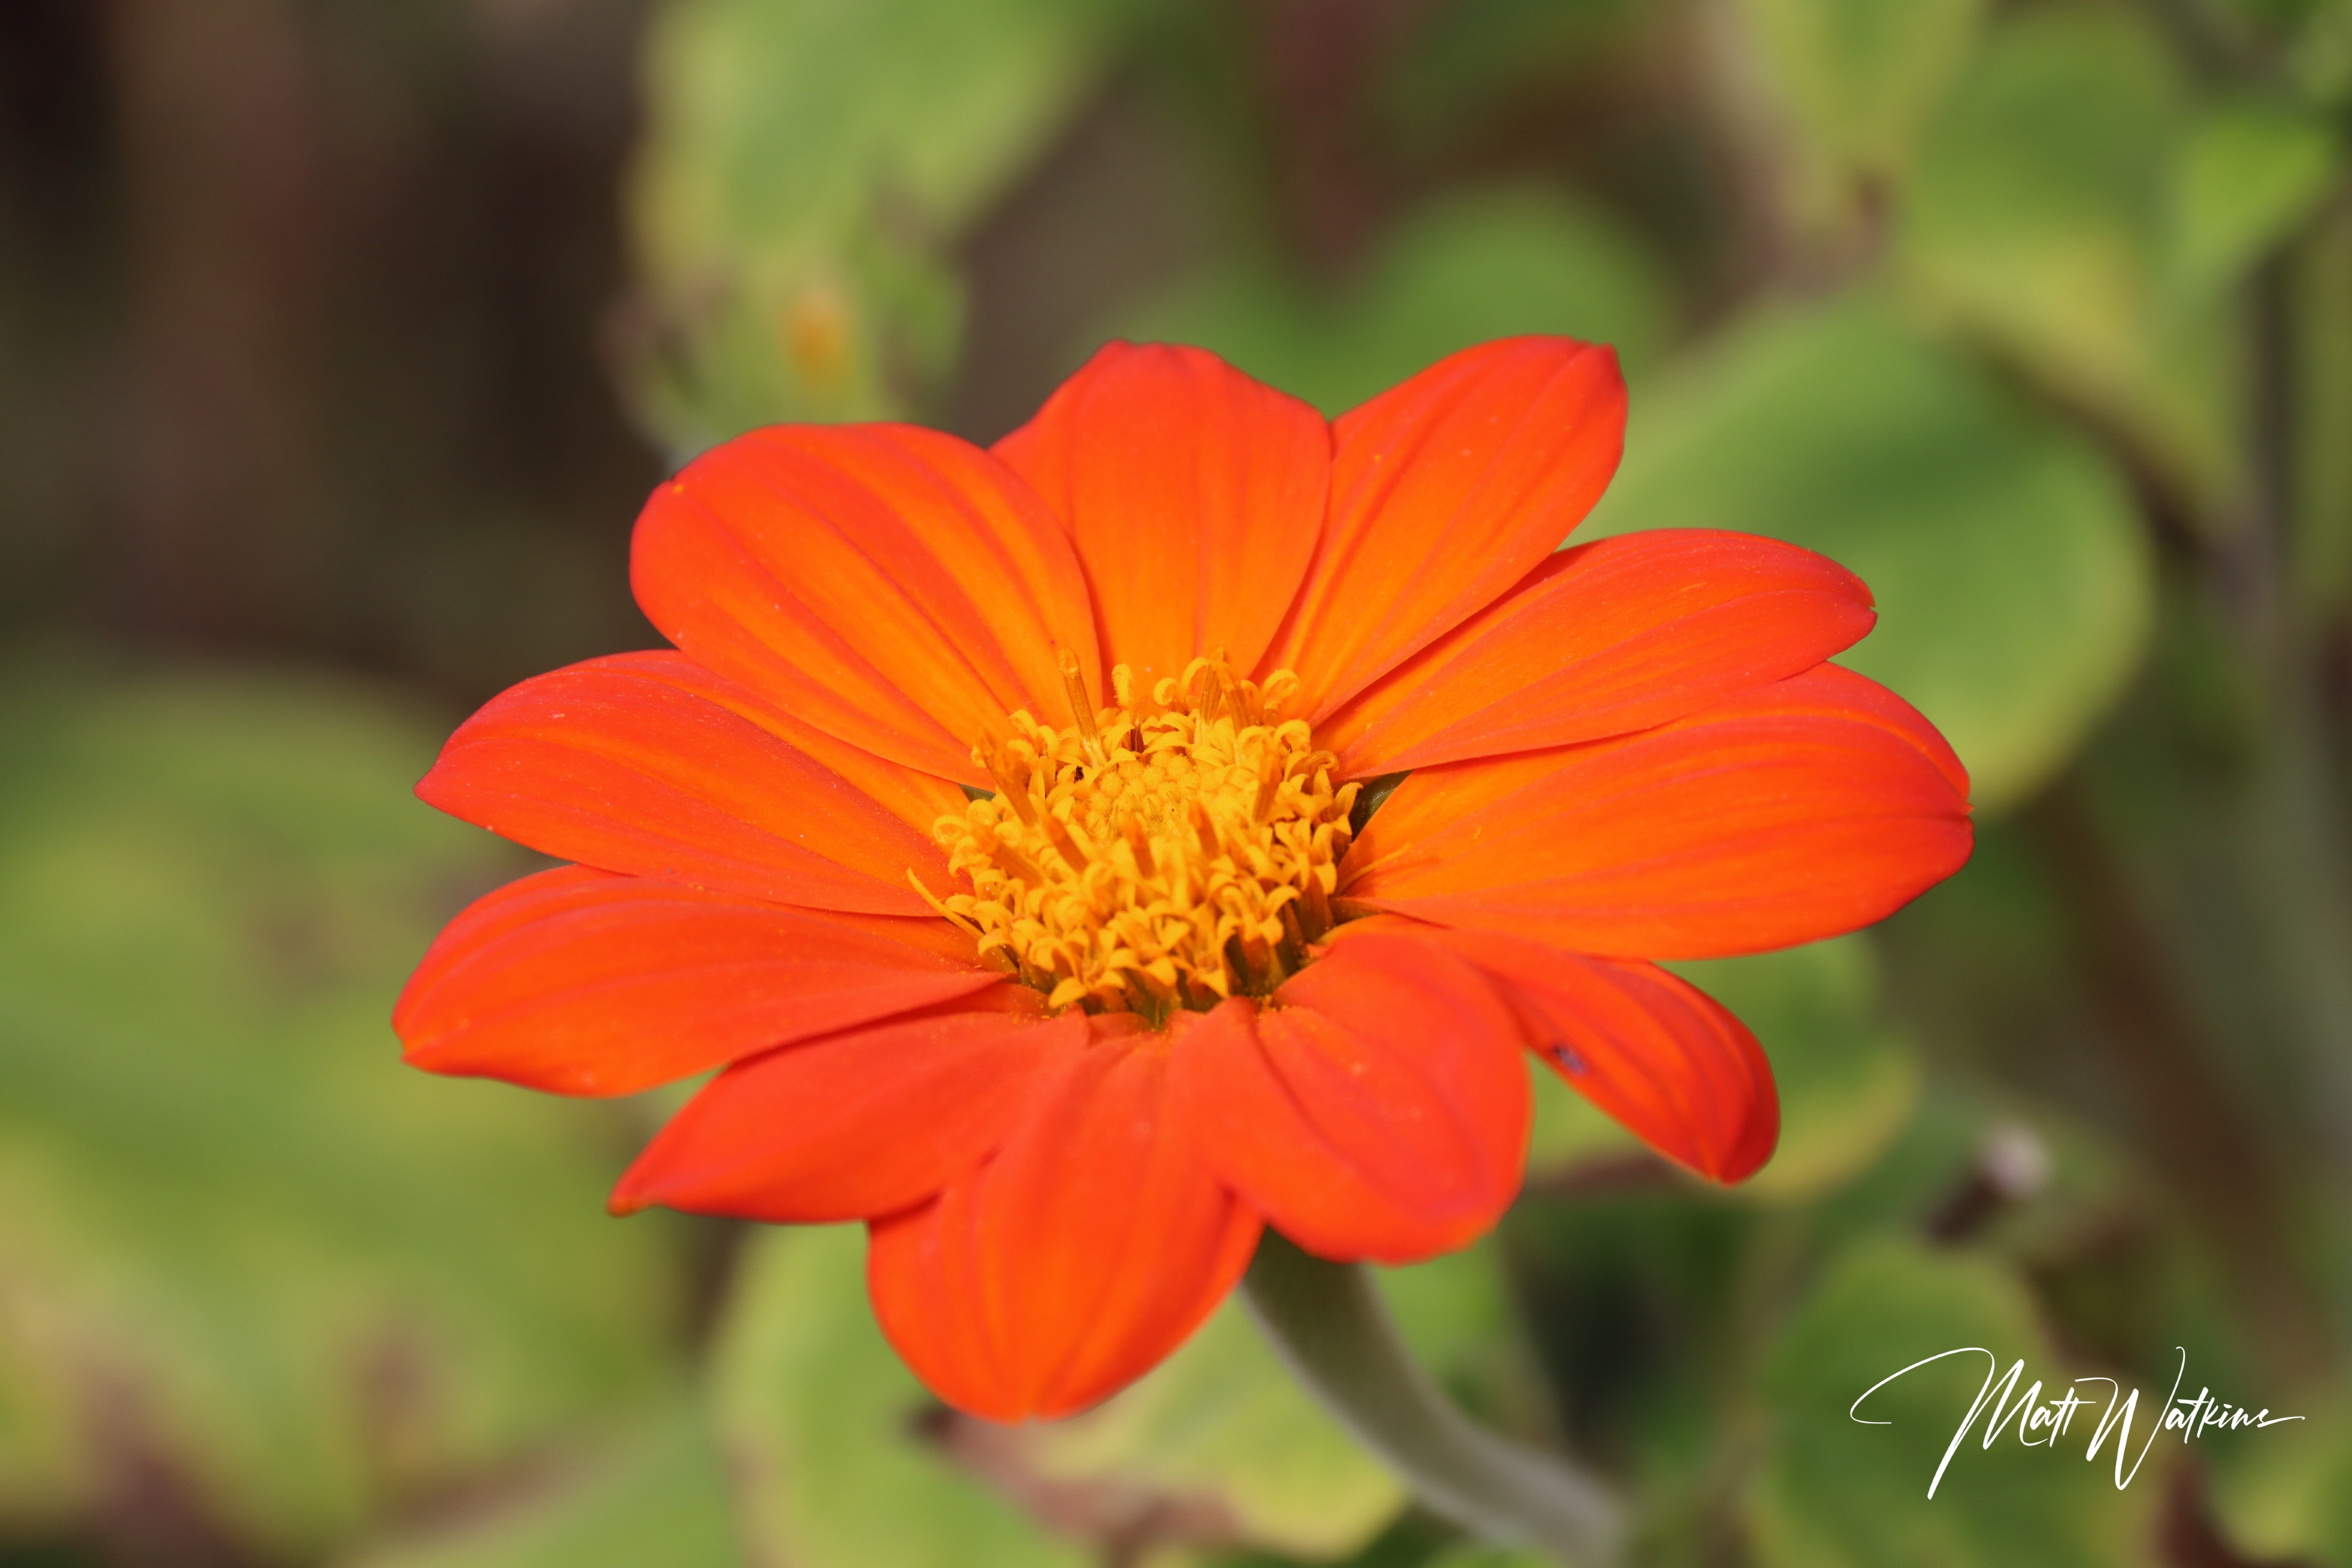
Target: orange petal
1444, 491
1796, 811
1602, 640
859, 1124
893, 586
1667, 1061
648, 763
1090, 1247
583, 983
1194, 495
1377, 1109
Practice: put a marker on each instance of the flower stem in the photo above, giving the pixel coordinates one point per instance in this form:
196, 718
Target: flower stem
1329, 1324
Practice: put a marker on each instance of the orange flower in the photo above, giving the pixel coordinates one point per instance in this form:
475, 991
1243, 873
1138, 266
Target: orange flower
997, 828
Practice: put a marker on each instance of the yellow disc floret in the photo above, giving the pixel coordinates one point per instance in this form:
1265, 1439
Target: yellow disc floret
1150, 860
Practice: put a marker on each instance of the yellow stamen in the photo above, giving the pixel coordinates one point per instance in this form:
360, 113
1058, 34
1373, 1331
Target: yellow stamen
1057, 832
1269, 782
1139, 843
1009, 775
1232, 829
1075, 684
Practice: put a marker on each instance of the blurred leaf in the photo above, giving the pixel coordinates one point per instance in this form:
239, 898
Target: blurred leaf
2251, 175
2291, 1499
1834, 1493
840, 1457
1460, 271
1848, 1080
2012, 576
2319, 55
2040, 217
657, 1495
243, 1243
822, 1425
1222, 1426
806, 164
1862, 76
40, 1478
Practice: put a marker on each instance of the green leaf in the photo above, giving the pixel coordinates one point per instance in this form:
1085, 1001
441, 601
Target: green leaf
655, 1493
1834, 1493
2040, 218
821, 1424
841, 1457
1863, 77
2290, 1500
805, 166
1222, 1425
1468, 267
1848, 1080
2010, 572
241, 1235
2251, 175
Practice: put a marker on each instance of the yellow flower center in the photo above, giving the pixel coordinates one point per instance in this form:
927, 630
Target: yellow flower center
1151, 859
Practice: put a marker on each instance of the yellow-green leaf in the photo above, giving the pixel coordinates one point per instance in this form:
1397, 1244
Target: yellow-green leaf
2250, 173
2040, 218
1862, 76
806, 164
1222, 1425
822, 1427
654, 1492
1835, 1493
241, 1236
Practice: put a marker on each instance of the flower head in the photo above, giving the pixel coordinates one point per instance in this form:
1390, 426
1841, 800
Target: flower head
998, 827
1159, 857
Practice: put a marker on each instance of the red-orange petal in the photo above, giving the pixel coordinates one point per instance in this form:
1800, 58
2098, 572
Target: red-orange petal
857, 1124
1667, 1061
1604, 639
893, 586
1377, 1109
1193, 493
648, 763
579, 981
1445, 490
1798, 811
1071, 1263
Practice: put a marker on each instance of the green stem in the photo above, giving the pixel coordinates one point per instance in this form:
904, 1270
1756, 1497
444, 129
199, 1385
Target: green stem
1329, 1324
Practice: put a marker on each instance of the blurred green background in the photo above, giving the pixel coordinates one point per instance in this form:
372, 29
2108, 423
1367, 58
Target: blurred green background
340, 341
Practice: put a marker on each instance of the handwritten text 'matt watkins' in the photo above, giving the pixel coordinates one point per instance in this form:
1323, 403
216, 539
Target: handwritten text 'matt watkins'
2040, 1423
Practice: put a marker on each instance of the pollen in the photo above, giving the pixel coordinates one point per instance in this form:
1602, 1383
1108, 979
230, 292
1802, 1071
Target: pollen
1151, 858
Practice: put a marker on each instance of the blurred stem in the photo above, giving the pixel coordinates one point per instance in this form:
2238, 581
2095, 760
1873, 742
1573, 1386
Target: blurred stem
2293, 867
1329, 1324
2296, 869
2220, 1171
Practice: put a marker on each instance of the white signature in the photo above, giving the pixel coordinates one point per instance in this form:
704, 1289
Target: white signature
2040, 1423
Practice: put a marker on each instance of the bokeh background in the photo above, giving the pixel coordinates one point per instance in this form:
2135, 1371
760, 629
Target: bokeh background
340, 341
